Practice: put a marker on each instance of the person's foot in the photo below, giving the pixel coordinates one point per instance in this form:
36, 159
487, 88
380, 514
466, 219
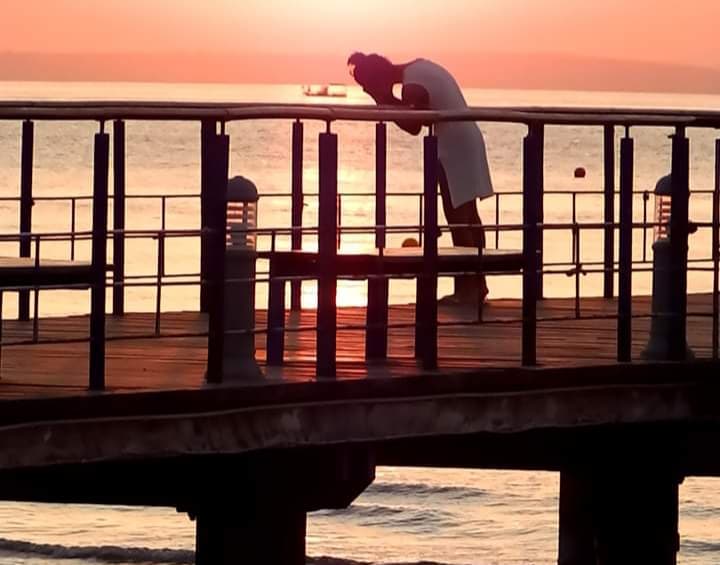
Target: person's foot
451, 300
463, 299
469, 291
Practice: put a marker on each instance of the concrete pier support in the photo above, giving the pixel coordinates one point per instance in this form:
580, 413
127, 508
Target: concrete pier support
237, 537
619, 517
576, 544
253, 510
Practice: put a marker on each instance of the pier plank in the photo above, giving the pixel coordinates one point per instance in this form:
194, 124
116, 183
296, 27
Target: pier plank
139, 361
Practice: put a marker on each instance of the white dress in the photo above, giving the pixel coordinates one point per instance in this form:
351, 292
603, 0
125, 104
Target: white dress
461, 146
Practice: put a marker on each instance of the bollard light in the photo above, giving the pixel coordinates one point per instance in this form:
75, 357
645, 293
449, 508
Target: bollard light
242, 197
663, 205
240, 257
663, 310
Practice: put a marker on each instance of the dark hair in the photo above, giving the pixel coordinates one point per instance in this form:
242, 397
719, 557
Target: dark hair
356, 58
373, 70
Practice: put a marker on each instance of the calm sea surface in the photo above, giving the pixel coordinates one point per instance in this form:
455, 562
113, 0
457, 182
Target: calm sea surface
408, 515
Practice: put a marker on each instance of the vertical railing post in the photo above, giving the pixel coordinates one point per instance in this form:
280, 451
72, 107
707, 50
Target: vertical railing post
118, 217
208, 131
532, 163
327, 254
609, 210
427, 307
541, 209
99, 259
218, 158
716, 254
679, 242
297, 206
26, 204
376, 337
380, 183
624, 327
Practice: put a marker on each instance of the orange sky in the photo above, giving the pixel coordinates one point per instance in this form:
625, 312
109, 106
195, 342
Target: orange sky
646, 30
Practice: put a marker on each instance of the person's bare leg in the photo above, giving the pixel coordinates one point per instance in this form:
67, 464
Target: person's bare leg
467, 288
458, 235
470, 288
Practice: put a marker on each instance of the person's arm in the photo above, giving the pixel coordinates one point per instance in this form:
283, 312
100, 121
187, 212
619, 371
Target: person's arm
411, 127
416, 97
413, 96
381, 100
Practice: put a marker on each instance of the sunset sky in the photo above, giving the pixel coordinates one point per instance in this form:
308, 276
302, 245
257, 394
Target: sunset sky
666, 31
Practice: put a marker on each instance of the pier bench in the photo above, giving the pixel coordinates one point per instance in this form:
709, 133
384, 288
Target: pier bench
26, 272
377, 267
23, 271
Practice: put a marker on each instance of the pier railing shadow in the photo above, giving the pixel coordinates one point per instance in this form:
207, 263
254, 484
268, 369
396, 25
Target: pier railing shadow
213, 283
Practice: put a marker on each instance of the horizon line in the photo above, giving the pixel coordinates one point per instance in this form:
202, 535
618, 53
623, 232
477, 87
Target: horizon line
499, 53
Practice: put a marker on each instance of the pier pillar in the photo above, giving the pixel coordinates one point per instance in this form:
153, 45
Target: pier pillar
636, 518
576, 544
236, 537
619, 517
252, 510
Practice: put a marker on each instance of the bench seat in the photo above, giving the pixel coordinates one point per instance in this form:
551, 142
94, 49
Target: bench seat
22, 271
18, 273
405, 262
395, 261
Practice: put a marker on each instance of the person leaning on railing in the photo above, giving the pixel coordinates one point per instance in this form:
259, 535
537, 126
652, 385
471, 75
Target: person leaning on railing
464, 173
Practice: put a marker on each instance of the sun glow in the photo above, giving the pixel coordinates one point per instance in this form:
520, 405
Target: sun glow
310, 40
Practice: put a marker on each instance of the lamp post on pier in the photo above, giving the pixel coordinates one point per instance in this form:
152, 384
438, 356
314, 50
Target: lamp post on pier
663, 310
240, 257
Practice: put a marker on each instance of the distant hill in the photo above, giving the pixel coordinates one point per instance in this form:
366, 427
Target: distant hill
500, 70
567, 72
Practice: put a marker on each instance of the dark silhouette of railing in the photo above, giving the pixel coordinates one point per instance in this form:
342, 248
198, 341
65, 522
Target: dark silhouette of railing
214, 172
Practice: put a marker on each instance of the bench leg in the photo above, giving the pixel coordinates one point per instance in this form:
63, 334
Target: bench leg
276, 323
1, 328
419, 316
376, 336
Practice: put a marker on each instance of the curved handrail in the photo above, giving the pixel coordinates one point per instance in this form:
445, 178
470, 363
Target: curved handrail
186, 111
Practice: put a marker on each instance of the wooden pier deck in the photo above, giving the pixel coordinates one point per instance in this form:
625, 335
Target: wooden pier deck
136, 363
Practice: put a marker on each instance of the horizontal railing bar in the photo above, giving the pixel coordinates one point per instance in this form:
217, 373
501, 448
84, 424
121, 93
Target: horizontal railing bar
135, 281
315, 194
20, 110
68, 199
369, 229
186, 104
137, 337
165, 276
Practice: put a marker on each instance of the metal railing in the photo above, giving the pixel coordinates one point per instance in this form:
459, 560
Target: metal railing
214, 172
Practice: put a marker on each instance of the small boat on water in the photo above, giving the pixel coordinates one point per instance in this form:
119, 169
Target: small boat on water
333, 90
